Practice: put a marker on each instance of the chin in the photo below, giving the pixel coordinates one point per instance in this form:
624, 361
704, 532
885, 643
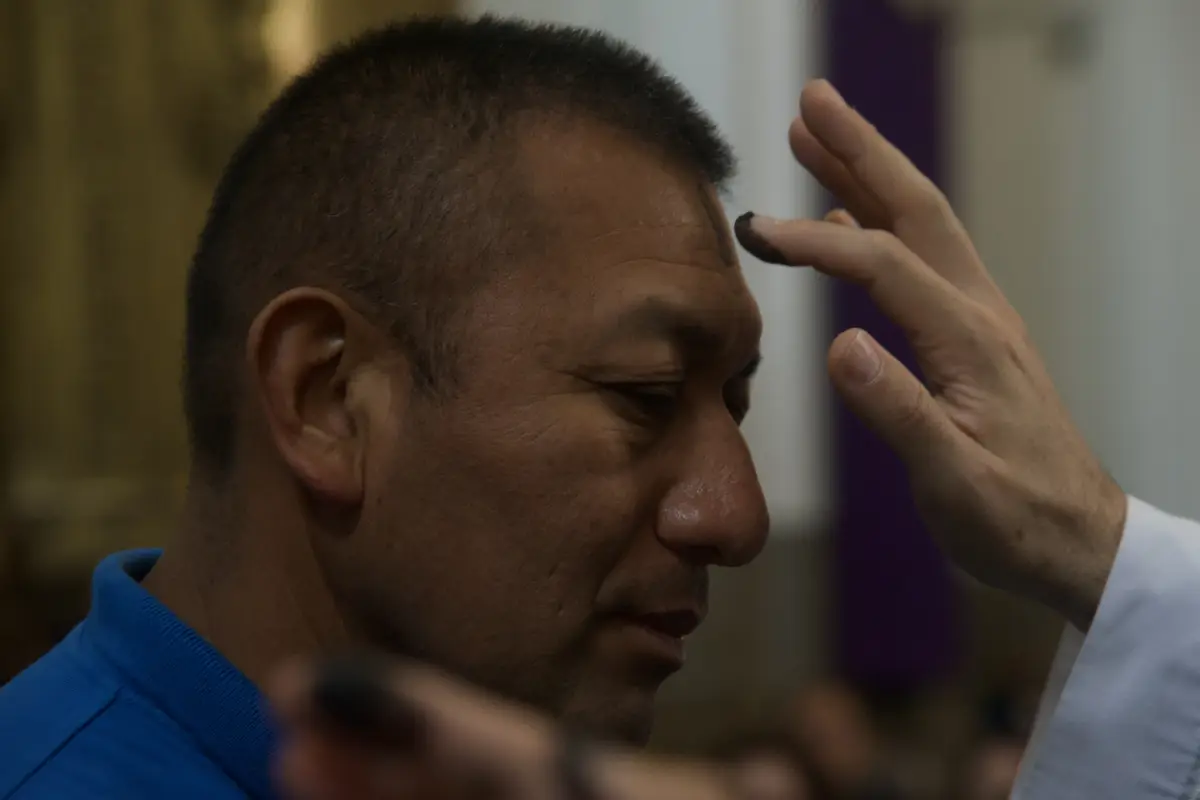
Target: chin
627, 720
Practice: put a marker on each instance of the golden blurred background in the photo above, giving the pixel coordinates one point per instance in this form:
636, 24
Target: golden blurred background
116, 117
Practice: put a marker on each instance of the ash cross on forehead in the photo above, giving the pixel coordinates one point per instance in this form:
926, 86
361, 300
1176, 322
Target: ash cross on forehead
720, 228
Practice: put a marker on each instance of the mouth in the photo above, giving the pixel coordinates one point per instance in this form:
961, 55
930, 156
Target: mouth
660, 636
674, 624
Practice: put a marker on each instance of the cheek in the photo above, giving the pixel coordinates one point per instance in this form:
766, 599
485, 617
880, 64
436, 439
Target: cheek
569, 486
537, 503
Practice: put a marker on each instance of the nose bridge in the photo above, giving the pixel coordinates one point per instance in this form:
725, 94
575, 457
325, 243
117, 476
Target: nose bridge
716, 510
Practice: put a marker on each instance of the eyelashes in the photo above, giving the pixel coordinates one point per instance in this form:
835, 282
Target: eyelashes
649, 402
657, 403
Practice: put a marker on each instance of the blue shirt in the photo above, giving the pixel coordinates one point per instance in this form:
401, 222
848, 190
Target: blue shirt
132, 704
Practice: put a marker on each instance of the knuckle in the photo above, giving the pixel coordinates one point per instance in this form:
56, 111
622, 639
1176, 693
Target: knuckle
886, 246
877, 258
911, 408
894, 262
1003, 337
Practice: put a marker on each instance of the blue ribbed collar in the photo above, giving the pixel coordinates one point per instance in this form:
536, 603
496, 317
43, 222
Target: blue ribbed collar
181, 673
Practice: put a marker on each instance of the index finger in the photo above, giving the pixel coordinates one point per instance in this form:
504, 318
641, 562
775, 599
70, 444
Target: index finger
924, 304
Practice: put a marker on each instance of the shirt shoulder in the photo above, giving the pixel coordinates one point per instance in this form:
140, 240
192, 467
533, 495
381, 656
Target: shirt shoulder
70, 728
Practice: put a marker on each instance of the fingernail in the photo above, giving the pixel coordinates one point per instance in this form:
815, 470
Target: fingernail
748, 229
353, 696
863, 364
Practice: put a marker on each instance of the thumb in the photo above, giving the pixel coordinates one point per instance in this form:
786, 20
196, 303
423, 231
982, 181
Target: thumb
883, 393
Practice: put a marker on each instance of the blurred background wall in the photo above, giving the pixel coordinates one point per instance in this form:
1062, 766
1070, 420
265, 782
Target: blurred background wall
1065, 133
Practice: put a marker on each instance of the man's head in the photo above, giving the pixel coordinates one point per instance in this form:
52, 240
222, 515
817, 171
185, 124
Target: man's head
468, 292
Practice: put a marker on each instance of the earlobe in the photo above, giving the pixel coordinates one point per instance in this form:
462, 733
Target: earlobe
304, 349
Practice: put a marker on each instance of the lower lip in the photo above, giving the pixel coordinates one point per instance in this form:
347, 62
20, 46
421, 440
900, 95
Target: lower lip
658, 645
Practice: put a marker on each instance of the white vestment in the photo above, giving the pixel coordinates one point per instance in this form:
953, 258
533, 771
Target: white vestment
1121, 715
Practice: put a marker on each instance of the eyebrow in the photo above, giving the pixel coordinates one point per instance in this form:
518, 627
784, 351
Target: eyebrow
695, 336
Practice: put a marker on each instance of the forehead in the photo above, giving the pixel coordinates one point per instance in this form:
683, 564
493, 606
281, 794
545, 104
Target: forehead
620, 225
597, 187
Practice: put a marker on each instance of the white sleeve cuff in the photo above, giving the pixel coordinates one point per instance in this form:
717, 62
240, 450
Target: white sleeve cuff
1121, 715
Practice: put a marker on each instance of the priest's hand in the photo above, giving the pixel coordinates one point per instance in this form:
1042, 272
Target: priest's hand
1001, 474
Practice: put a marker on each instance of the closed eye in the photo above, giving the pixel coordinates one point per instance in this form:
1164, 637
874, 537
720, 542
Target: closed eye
648, 402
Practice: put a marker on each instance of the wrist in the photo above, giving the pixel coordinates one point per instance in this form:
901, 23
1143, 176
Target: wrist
1094, 539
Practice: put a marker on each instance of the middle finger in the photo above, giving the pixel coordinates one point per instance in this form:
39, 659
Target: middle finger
868, 170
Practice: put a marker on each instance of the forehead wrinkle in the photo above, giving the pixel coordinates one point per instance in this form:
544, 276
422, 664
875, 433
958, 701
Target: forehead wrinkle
639, 245
625, 230
720, 229
652, 260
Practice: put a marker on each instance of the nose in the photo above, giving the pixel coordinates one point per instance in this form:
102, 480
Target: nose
716, 513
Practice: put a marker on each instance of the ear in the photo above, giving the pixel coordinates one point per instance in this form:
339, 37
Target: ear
306, 348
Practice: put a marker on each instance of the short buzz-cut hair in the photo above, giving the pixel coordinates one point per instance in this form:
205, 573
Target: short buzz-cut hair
383, 174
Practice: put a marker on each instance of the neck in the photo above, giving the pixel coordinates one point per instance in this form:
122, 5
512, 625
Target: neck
243, 575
